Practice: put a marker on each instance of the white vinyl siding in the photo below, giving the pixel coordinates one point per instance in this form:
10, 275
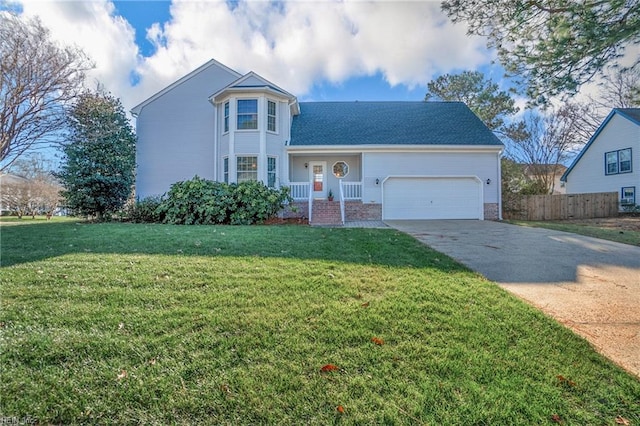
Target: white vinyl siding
380, 165
175, 133
590, 173
246, 143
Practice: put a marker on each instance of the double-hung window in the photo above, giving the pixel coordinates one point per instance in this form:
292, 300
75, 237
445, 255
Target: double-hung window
618, 161
271, 172
247, 114
247, 169
225, 169
226, 117
271, 116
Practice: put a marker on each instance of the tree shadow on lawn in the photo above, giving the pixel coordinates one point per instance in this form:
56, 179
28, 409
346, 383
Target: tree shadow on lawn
387, 247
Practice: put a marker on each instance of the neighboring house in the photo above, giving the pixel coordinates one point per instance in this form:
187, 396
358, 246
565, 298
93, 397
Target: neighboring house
549, 173
610, 161
380, 160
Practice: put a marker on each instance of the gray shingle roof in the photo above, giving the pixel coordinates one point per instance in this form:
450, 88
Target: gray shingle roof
633, 113
388, 123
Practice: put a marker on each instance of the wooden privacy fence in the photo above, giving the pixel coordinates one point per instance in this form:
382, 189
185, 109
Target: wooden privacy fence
559, 207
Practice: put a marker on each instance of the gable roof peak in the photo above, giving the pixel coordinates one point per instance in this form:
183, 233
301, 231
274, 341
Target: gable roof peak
210, 63
264, 84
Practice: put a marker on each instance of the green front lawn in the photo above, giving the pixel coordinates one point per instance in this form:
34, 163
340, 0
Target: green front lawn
154, 324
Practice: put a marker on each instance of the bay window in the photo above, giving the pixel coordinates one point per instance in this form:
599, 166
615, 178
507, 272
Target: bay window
247, 169
247, 114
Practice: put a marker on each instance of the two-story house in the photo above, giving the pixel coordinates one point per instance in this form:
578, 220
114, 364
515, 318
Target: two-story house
610, 160
378, 160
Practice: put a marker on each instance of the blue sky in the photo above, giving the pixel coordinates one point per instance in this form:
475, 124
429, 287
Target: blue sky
317, 50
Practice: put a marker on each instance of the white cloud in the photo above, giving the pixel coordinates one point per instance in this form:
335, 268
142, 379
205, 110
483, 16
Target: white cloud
294, 44
92, 26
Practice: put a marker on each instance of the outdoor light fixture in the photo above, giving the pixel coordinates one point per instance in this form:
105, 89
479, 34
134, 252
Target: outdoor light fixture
377, 181
488, 181
306, 165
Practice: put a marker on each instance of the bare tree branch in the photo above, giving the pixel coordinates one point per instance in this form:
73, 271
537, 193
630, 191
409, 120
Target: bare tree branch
38, 81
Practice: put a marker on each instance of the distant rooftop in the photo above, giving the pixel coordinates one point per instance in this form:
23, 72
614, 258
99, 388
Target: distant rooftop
388, 123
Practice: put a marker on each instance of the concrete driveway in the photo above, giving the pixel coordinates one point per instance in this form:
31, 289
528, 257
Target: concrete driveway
590, 285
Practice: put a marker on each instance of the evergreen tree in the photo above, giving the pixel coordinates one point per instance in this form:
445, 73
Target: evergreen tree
554, 46
98, 168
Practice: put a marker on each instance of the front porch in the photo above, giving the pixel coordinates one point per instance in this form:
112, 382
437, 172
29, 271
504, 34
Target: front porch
345, 206
328, 187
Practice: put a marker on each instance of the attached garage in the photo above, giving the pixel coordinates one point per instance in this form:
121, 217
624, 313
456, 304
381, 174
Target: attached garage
432, 197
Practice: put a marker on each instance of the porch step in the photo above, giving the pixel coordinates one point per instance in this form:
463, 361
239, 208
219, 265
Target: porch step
326, 213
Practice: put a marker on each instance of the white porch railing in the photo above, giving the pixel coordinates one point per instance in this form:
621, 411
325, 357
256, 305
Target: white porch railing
302, 191
349, 191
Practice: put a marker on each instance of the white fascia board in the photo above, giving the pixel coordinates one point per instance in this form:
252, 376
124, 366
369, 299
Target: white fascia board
235, 87
314, 149
225, 93
136, 109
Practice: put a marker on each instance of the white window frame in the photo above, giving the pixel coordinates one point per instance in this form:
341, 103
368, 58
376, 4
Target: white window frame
618, 163
334, 166
273, 116
226, 117
247, 165
253, 115
225, 169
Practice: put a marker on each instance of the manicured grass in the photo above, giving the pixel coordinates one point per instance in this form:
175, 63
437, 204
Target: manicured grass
626, 236
152, 324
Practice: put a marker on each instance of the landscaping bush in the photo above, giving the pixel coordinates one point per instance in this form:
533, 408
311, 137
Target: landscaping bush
255, 203
145, 210
203, 202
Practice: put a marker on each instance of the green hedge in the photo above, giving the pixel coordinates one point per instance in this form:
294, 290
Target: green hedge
203, 202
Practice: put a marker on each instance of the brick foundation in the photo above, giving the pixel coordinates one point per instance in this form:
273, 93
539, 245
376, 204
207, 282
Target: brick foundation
491, 211
297, 209
357, 210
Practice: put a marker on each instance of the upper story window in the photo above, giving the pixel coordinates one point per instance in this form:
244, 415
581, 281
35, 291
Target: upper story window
226, 117
617, 161
271, 116
247, 114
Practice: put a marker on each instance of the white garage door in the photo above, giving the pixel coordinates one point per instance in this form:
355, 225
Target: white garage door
432, 198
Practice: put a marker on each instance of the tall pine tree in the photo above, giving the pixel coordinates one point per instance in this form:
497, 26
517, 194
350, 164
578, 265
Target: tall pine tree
98, 170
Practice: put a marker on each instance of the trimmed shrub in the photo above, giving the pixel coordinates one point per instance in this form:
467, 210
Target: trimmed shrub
145, 210
255, 203
203, 202
196, 202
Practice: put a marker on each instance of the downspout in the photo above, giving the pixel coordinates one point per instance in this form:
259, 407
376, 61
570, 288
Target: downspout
215, 143
500, 185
